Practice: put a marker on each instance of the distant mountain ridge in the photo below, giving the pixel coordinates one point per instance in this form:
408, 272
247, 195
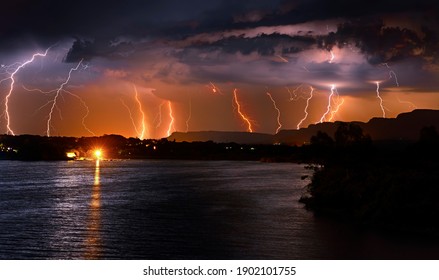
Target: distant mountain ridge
405, 127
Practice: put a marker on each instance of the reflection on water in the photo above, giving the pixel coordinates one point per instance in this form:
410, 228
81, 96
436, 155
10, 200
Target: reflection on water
176, 210
93, 239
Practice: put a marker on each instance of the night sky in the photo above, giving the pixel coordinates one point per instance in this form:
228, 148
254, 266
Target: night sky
189, 57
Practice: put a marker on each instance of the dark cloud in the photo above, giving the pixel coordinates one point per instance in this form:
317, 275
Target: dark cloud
381, 44
264, 44
95, 24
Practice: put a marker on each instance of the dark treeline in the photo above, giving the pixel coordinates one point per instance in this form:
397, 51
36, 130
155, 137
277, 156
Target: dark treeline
30, 147
376, 185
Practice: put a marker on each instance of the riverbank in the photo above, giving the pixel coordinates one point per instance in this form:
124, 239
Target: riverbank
372, 187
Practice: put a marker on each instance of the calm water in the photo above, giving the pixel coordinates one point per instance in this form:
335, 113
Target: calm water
175, 210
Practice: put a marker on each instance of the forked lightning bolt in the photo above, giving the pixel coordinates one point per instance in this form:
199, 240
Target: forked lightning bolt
293, 94
306, 107
337, 108
333, 91
59, 90
11, 77
278, 112
393, 75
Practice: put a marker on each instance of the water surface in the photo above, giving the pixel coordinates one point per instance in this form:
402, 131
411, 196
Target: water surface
176, 210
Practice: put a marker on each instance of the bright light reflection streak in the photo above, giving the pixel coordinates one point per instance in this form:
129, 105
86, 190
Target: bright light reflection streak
278, 112
11, 88
93, 240
242, 115
306, 107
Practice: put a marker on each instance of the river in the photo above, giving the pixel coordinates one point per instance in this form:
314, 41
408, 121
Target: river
164, 209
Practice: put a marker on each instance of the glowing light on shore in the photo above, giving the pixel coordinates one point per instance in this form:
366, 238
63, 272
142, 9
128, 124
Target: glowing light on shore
98, 154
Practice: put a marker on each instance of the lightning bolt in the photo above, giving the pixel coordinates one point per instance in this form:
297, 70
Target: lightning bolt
333, 91
171, 127
87, 109
86, 113
393, 75
410, 104
381, 100
11, 77
136, 96
214, 88
306, 107
131, 117
332, 56
278, 112
241, 114
159, 115
57, 94
293, 94
283, 59
337, 108
189, 116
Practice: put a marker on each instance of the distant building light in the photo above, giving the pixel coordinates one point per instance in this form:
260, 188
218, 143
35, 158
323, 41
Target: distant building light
71, 155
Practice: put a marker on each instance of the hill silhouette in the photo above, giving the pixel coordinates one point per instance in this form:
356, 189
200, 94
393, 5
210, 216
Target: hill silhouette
405, 127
